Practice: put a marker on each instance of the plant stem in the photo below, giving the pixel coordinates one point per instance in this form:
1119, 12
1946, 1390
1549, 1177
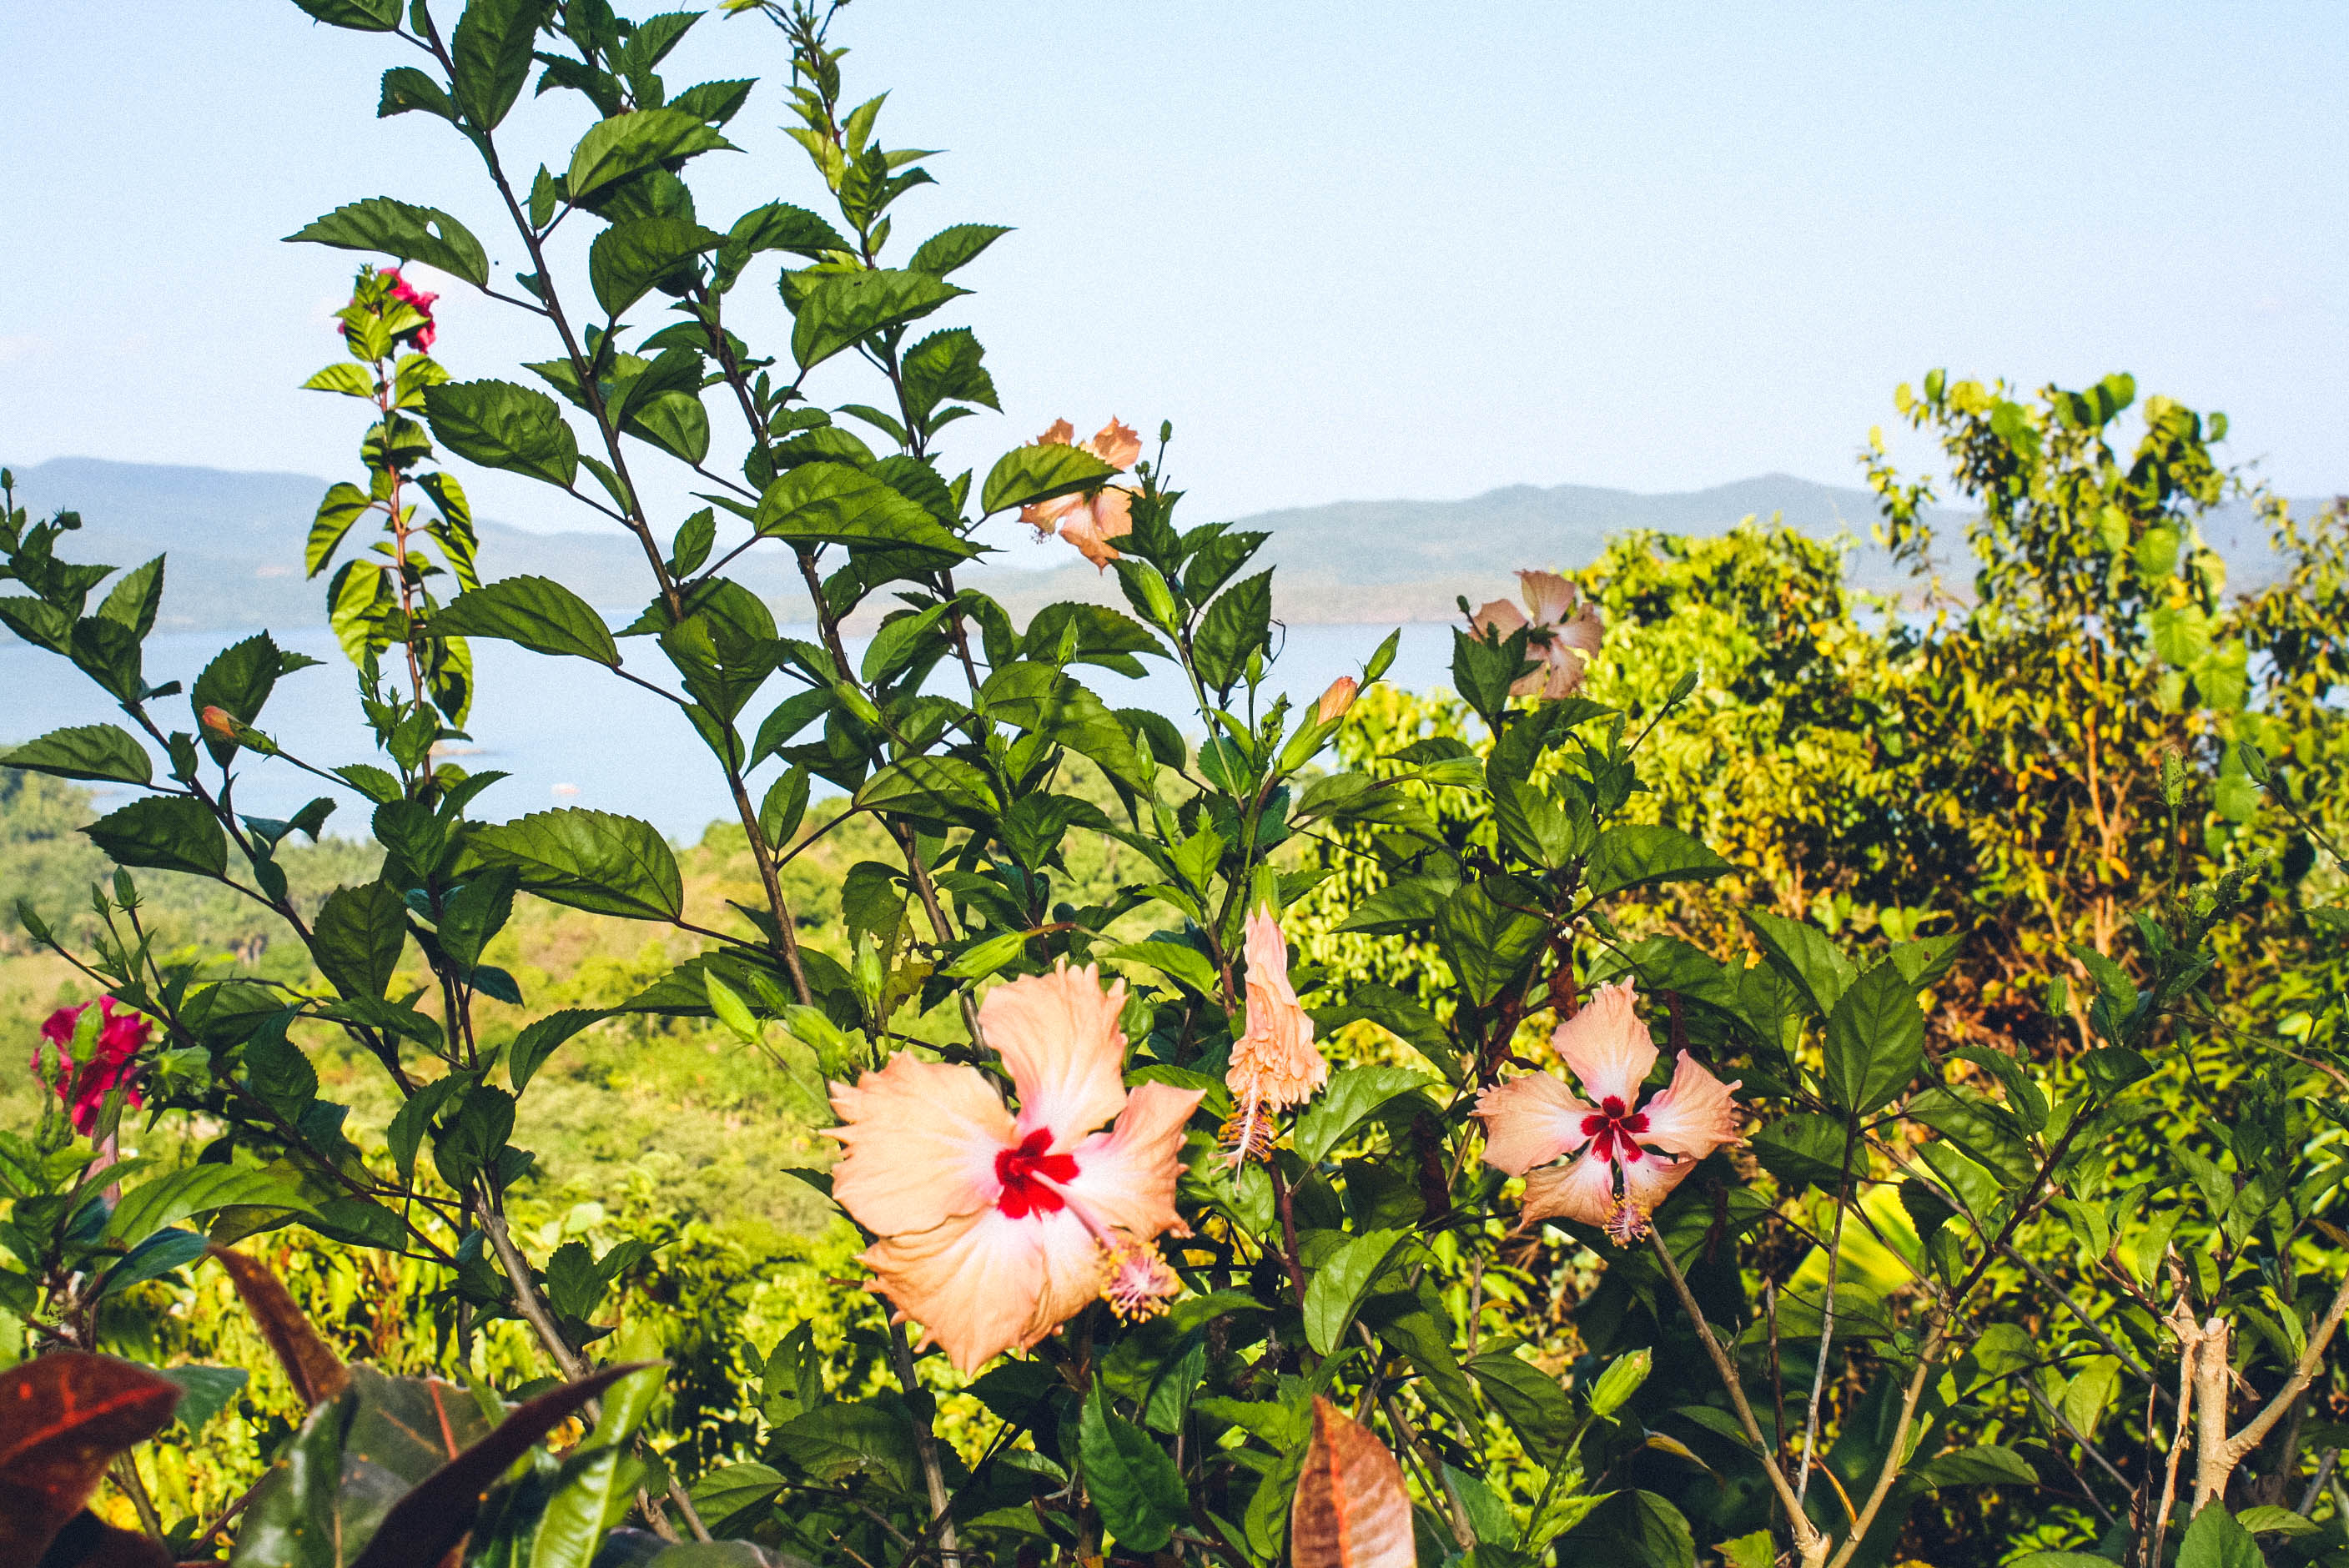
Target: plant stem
925, 1444
1826, 1319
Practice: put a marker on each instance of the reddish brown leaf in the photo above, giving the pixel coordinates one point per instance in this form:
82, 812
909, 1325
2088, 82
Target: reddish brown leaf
316, 1372
63, 1417
430, 1520
1350, 1509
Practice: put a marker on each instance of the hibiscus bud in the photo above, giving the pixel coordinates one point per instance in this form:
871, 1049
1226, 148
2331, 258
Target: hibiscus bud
1336, 700
220, 724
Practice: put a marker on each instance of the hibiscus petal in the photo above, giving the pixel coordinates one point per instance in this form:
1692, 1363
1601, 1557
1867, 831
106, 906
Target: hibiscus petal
1606, 1045
1044, 516
921, 1140
1058, 1034
1117, 445
1500, 616
1550, 598
1695, 1116
1126, 1177
1649, 1180
1584, 1191
1530, 1121
1059, 434
1274, 1061
984, 1283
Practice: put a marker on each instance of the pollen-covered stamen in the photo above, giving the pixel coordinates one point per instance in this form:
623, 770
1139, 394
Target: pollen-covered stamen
1019, 1167
1613, 1134
1135, 1281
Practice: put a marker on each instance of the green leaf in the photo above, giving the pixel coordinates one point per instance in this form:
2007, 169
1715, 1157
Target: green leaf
2216, 1540
101, 752
1026, 475
593, 1493
1047, 702
358, 937
832, 503
407, 90
1802, 954
1805, 1149
398, 228
630, 142
1528, 1398
1173, 959
1351, 1094
1988, 1465
1876, 1041
204, 1392
2260, 1520
594, 860
1336, 1290
357, 16
501, 426
168, 833
837, 1440
1636, 856
538, 1041
1636, 1530
192, 1191
2181, 635
940, 788
726, 1495
837, 311
778, 226
950, 249
627, 260
132, 600
538, 612
1489, 936
343, 505
490, 51
1130, 1478
1239, 622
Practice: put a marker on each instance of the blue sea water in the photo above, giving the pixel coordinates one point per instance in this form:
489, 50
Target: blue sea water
569, 733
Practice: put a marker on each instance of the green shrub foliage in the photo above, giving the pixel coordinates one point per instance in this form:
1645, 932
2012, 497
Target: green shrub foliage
1936, 1004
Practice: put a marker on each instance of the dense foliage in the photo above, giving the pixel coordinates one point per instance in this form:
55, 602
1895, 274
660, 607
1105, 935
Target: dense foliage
1758, 1076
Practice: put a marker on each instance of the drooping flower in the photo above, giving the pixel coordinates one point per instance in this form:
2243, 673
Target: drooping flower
402, 293
1565, 633
995, 1226
1533, 1120
1337, 700
1274, 1063
1090, 519
84, 1086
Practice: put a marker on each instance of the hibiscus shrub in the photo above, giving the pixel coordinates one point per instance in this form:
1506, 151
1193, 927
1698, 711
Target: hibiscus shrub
1242, 1257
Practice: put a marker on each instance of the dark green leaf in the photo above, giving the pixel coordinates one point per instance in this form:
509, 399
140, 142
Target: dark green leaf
950, 249
205, 1391
1988, 1465
1528, 1398
832, 503
628, 258
2215, 1540
1239, 622
501, 426
358, 937
1802, 954
628, 143
491, 50
1335, 1290
102, 752
168, 833
538, 612
132, 600
593, 861
1489, 931
1039, 472
411, 234
1130, 1478
1876, 1041
836, 311
1635, 856
1353, 1094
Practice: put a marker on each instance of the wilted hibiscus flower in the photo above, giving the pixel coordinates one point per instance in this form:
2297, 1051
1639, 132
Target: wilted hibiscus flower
1090, 519
1534, 1119
84, 1086
1564, 633
995, 1226
1274, 1063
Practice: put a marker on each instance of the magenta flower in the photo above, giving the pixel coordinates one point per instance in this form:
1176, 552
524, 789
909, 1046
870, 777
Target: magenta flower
84, 1085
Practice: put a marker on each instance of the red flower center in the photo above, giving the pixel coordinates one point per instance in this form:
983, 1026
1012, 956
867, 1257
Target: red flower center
1019, 1168
1611, 1133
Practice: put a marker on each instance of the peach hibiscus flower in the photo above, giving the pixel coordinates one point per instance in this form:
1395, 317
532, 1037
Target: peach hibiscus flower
1274, 1064
1566, 630
995, 1227
1090, 519
1532, 1121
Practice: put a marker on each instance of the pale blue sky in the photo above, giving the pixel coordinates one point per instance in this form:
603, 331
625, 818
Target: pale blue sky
1353, 251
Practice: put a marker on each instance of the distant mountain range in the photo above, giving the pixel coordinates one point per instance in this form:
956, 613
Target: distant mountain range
235, 544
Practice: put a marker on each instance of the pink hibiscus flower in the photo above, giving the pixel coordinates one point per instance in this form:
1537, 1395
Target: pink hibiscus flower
1532, 1121
995, 1226
421, 338
84, 1085
1274, 1063
1090, 519
1565, 632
